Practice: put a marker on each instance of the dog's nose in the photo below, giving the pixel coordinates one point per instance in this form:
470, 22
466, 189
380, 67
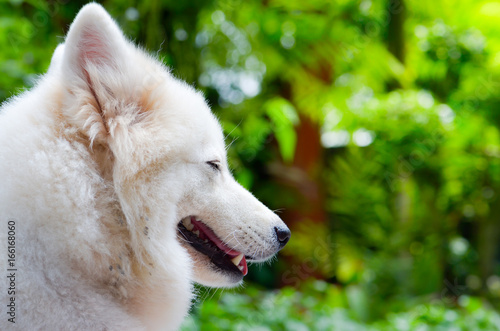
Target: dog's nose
283, 235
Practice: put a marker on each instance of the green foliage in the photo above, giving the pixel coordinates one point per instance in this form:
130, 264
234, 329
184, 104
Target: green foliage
284, 117
320, 306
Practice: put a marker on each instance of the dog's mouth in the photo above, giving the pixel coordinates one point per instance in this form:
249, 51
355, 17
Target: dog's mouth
204, 240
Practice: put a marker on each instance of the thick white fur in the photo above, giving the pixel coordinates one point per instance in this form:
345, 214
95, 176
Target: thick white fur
99, 162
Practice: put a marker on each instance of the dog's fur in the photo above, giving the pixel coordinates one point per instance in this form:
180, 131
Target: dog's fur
99, 163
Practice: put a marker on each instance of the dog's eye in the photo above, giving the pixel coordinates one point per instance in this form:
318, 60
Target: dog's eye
214, 164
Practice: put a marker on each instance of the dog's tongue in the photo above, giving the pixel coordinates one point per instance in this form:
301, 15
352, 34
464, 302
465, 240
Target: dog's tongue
207, 232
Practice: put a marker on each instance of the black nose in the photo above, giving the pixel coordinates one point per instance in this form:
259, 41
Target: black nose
283, 235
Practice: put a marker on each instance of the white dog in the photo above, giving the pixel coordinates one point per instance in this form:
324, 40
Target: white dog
115, 193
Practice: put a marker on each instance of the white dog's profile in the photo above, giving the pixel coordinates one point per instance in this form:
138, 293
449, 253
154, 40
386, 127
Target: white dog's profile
115, 193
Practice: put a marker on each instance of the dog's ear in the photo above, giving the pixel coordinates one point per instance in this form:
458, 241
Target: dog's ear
94, 41
55, 62
102, 74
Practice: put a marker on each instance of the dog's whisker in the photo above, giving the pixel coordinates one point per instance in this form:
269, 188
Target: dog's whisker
235, 127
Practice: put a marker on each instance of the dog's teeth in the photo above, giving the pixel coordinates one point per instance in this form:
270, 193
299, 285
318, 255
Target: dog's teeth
197, 232
187, 224
240, 267
186, 221
237, 260
205, 241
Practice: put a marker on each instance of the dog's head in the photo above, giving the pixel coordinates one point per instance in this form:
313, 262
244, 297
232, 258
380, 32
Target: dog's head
163, 151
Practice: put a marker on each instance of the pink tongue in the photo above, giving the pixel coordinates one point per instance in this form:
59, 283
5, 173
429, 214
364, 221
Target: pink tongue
207, 233
205, 230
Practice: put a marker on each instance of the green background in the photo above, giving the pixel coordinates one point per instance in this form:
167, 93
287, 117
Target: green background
371, 127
